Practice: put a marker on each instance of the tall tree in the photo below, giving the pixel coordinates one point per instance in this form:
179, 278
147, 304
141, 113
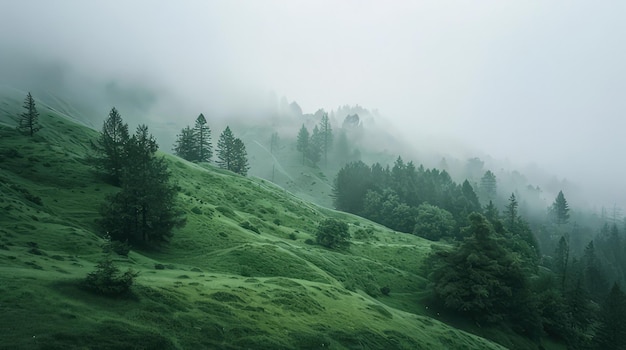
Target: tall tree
144, 210
510, 212
110, 147
225, 149
561, 260
202, 138
29, 120
240, 161
560, 209
326, 136
185, 145
314, 151
302, 143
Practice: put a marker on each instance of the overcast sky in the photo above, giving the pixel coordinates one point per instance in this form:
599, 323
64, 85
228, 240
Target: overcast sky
541, 81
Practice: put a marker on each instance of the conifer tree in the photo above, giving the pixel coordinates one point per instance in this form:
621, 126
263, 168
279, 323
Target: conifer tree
510, 212
560, 209
202, 138
240, 161
302, 144
29, 120
326, 136
612, 331
110, 147
185, 145
314, 151
488, 186
226, 149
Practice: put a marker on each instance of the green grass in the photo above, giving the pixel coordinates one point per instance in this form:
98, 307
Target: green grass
220, 286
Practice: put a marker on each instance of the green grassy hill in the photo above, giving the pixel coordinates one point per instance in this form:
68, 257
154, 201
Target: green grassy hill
217, 284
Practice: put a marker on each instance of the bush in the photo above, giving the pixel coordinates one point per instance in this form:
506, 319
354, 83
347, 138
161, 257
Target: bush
333, 233
364, 234
108, 280
433, 222
249, 226
117, 247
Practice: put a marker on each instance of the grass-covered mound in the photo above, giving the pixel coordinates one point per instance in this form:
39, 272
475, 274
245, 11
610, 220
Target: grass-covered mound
241, 274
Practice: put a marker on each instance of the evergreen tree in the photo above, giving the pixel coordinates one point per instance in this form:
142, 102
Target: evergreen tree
326, 136
29, 120
226, 149
110, 147
314, 151
202, 140
144, 210
561, 260
240, 161
185, 145
560, 209
342, 148
302, 144
510, 212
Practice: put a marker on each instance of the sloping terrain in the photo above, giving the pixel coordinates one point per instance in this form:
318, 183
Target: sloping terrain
217, 284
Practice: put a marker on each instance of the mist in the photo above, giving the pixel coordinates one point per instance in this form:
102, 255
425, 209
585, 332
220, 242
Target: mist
533, 86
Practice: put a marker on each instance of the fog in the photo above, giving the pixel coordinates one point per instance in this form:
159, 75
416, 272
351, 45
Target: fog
533, 83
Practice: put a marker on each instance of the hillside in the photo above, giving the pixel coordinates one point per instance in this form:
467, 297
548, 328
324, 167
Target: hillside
216, 285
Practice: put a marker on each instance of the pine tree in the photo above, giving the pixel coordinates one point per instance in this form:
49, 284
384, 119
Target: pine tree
231, 153
185, 145
561, 260
110, 147
612, 331
560, 209
29, 120
510, 212
302, 144
144, 210
314, 151
326, 136
240, 161
202, 140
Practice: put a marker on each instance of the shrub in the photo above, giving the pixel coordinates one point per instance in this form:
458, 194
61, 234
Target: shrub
108, 280
276, 222
364, 234
333, 233
433, 222
117, 247
249, 226
292, 236
196, 211
385, 290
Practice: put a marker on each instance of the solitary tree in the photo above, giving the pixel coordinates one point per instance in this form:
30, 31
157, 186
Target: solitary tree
333, 233
202, 139
240, 161
29, 120
110, 147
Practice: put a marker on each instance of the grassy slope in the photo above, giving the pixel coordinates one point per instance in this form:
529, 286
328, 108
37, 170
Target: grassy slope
223, 286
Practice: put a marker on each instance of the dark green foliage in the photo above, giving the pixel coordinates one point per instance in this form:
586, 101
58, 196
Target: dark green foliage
484, 281
351, 185
144, 210
117, 247
560, 209
612, 332
108, 280
29, 120
561, 261
110, 148
184, 146
202, 140
248, 226
231, 153
314, 150
333, 233
434, 223
326, 138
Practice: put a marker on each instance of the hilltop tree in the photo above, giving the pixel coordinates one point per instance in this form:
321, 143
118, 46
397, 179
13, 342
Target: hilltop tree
185, 144
110, 147
202, 140
144, 210
302, 144
560, 209
231, 153
240, 162
29, 120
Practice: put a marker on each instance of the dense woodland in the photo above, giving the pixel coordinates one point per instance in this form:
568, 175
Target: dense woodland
497, 267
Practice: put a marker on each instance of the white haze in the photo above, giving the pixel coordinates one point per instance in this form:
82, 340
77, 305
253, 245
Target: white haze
525, 81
